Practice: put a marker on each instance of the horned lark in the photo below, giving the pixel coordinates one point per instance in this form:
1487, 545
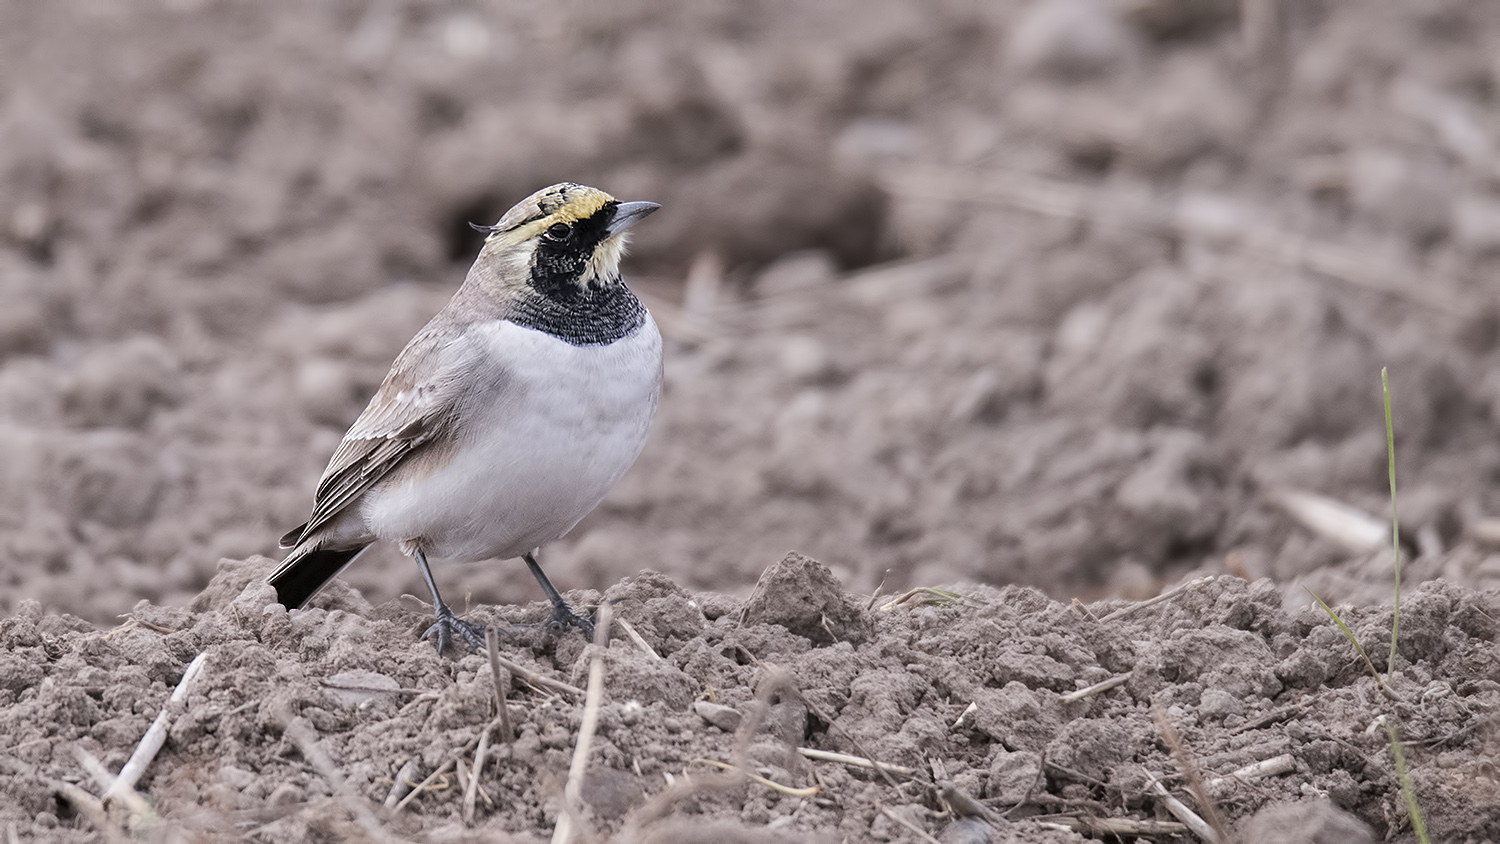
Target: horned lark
506, 419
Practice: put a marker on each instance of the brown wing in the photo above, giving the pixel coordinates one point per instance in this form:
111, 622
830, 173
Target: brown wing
414, 404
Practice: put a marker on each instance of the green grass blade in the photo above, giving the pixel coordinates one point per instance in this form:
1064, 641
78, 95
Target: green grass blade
1408, 792
1390, 452
1349, 634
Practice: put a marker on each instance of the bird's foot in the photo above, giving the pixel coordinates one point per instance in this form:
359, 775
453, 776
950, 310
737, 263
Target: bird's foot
447, 624
564, 617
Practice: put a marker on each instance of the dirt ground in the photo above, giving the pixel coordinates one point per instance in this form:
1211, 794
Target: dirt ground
1088, 297
965, 693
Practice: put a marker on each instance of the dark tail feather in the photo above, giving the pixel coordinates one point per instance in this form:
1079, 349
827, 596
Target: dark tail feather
302, 575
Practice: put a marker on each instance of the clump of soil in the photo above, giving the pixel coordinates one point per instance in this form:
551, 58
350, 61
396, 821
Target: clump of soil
968, 695
1052, 292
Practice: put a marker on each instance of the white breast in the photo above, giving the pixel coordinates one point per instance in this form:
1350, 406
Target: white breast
537, 454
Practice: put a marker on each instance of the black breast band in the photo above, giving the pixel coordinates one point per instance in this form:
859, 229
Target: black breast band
594, 317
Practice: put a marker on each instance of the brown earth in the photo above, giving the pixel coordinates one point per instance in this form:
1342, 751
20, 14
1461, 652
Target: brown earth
967, 691
1078, 295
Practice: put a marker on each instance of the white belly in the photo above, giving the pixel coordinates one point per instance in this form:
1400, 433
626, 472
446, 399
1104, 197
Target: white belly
565, 425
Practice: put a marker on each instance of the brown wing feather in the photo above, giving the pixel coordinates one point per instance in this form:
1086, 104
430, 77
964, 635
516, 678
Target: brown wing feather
413, 405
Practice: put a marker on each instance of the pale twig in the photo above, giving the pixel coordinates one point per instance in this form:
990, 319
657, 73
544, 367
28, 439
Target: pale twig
1168, 595
564, 831
306, 738
403, 784
880, 768
1101, 686
502, 708
637, 639
106, 782
156, 736
471, 789
1192, 773
878, 588
536, 679
1181, 812
916, 830
501, 721
856, 761
1082, 608
465, 782
1118, 827
426, 785
768, 783
1041, 774
1273, 767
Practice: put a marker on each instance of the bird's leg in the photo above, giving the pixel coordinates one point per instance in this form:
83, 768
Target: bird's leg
447, 623
563, 616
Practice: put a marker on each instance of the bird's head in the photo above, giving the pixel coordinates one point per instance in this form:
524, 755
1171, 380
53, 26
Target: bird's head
562, 241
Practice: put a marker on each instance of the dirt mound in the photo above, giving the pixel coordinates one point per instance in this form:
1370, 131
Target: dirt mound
301, 724
1062, 293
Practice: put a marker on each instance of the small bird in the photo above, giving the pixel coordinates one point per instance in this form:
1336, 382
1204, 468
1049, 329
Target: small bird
506, 419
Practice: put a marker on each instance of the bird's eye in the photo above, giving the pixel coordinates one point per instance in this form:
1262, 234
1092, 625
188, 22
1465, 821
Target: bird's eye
558, 230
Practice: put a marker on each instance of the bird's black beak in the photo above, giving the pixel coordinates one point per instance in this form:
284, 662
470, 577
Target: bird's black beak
628, 213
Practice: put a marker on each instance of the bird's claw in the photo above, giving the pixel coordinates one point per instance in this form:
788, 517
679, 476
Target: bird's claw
447, 624
564, 617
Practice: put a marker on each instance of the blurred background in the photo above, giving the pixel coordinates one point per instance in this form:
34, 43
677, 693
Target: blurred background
1082, 294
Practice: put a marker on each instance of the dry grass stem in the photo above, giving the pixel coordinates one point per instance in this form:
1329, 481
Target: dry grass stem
636, 638
502, 680
1036, 782
930, 596
1192, 773
427, 785
471, 789
536, 679
1268, 719
856, 761
1101, 686
1126, 612
1273, 767
1118, 827
572, 792
156, 736
1179, 810
768, 783
879, 768
106, 781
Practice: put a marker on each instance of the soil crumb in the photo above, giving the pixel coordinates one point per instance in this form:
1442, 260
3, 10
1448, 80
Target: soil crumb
313, 724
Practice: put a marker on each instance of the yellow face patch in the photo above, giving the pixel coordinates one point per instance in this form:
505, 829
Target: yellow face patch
515, 241
566, 202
